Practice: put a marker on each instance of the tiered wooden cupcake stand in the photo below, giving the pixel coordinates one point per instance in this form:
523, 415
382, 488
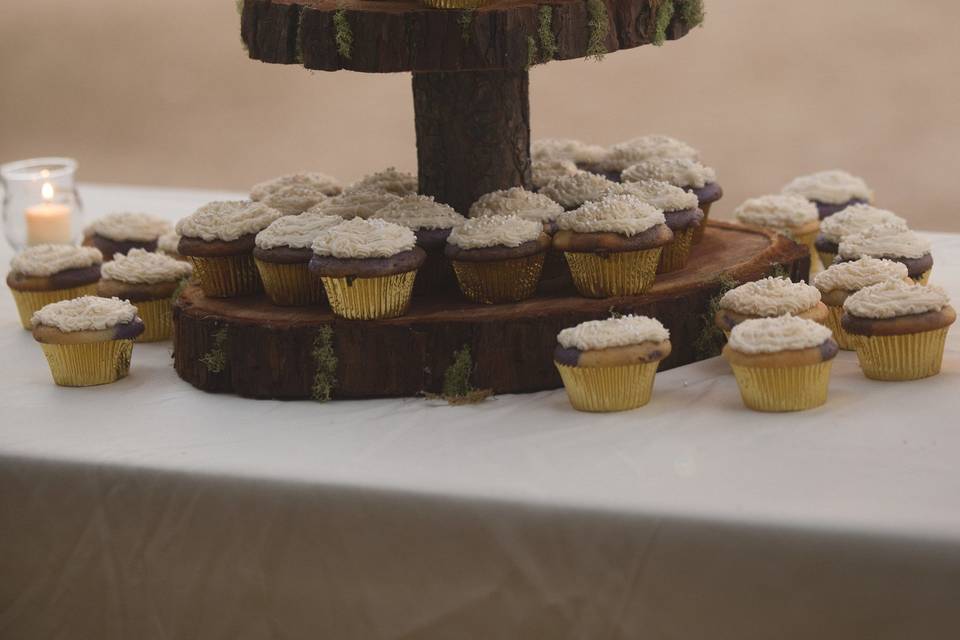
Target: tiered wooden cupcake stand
470, 86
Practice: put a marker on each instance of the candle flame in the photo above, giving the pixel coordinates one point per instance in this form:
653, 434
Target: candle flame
47, 191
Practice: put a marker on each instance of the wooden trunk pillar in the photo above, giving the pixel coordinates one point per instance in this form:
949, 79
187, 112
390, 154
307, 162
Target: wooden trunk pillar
473, 133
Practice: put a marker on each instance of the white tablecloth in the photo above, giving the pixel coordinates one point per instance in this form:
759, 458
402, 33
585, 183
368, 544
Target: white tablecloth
147, 509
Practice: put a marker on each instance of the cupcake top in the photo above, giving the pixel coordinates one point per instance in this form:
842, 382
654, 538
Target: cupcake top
389, 180
583, 186
168, 243
295, 232
777, 211
420, 212
857, 219
494, 231
318, 181
622, 155
544, 171
857, 274
127, 226
662, 195
47, 259
566, 149
782, 333
516, 202
682, 172
294, 198
359, 238
140, 266
771, 297
895, 298
623, 214
227, 220
883, 241
613, 332
356, 204
830, 187
86, 313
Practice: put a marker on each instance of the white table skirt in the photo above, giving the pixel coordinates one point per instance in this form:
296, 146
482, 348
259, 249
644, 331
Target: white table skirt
147, 509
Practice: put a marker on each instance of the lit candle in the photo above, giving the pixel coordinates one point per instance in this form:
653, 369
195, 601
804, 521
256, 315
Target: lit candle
49, 221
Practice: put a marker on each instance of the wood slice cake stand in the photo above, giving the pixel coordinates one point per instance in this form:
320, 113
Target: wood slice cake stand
264, 351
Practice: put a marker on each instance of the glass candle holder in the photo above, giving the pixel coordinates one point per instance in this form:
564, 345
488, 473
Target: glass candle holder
40, 202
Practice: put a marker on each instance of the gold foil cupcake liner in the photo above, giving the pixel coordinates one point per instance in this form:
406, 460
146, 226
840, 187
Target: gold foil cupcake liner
157, 316
290, 285
370, 298
90, 363
676, 254
500, 281
227, 276
843, 339
702, 229
455, 4
627, 273
904, 357
783, 388
603, 389
29, 302
826, 258
924, 277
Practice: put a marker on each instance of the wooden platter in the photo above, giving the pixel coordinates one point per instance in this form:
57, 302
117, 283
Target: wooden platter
249, 347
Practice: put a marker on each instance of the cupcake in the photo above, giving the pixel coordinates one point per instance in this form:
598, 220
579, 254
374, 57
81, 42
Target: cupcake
890, 241
852, 220
650, 147
781, 363
218, 238
294, 198
367, 267
282, 254
613, 246
87, 340
583, 155
389, 180
769, 298
609, 365
544, 171
48, 273
572, 191
497, 259
432, 223
149, 280
831, 191
790, 215
119, 232
167, 244
685, 173
898, 329
842, 280
356, 204
316, 181
682, 213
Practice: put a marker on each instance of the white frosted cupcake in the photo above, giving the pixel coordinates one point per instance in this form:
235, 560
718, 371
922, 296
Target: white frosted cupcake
149, 280
649, 147
544, 171
314, 181
47, 273
294, 198
831, 191
769, 298
898, 329
167, 244
609, 365
892, 242
398, 183
791, 215
854, 219
682, 213
580, 153
355, 204
367, 267
119, 232
571, 192
282, 254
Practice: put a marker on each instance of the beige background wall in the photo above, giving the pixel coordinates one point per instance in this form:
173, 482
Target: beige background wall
162, 93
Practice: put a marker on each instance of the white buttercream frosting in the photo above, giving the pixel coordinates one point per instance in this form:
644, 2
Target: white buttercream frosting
613, 332
294, 198
356, 204
566, 149
884, 241
420, 212
855, 275
168, 243
857, 219
682, 172
574, 190
782, 333
227, 220
516, 202
47, 259
543, 171
830, 187
494, 231
359, 238
623, 214
771, 297
778, 211
389, 180
895, 298
628, 153
86, 313
129, 226
296, 232
139, 266
662, 195
318, 181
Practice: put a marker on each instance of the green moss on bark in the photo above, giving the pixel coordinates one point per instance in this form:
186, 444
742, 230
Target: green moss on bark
599, 28
664, 16
692, 12
457, 388
215, 360
548, 42
465, 20
343, 36
710, 340
325, 376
